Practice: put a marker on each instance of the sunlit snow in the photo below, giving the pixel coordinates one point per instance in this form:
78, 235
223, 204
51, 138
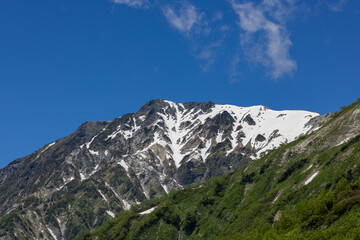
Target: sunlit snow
311, 178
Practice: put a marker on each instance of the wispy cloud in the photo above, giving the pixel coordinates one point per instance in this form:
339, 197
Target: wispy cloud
217, 16
235, 73
134, 3
338, 5
194, 25
264, 36
208, 53
183, 19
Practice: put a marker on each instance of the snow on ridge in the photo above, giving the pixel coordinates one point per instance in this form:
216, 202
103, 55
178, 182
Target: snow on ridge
89, 143
277, 127
125, 133
51, 144
92, 139
290, 126
46, 148
174, 133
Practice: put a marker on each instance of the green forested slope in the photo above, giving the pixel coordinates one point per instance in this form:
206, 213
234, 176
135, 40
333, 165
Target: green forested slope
271, 198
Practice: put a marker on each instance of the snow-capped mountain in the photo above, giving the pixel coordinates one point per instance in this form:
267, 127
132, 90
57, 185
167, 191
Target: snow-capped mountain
166, 138
113, 165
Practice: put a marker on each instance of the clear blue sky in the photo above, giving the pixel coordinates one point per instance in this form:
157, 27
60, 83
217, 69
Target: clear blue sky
66, 62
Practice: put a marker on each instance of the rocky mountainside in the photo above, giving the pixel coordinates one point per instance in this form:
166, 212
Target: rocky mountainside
104, 167
307, 189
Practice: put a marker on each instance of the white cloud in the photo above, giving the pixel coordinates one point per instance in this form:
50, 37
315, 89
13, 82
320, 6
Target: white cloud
208, 53
235, 73
133, 3
338, 5
264, 37
184, 19
217, 16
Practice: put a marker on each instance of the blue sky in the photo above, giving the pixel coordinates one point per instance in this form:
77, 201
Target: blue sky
66, 62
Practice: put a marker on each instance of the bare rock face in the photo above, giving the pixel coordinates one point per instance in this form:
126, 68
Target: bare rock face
77, 182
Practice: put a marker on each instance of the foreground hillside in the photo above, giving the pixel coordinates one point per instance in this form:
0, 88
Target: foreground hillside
308, 189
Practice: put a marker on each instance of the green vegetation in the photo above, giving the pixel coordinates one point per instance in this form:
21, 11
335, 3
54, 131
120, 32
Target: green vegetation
243, 204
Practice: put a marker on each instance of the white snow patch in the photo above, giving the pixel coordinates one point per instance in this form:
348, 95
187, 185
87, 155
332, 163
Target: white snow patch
127, 205
277, 196
51, 144
343, 141
111, 214
177, 183
124, 165
158, 140
219, 137
148, 211
165, 188
89, 143
204, 151
125, 133
177, 134
311, 178
94, 152
46, 148
103, 196
174, 134
51, 232
66, 181
82, 177
309, 167
145, 192
113, 190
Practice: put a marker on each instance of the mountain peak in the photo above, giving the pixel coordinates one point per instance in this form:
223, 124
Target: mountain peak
164, 146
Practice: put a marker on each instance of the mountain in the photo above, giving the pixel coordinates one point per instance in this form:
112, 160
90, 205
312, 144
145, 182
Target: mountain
307, 189
79, 181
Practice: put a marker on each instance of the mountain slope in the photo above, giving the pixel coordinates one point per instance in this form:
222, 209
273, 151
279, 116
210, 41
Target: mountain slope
308, 189
104, 167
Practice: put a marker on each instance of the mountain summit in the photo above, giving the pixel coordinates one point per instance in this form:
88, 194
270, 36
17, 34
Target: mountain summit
109, 166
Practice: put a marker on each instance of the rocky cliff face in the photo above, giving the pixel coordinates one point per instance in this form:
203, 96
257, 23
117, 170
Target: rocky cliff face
104, 167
